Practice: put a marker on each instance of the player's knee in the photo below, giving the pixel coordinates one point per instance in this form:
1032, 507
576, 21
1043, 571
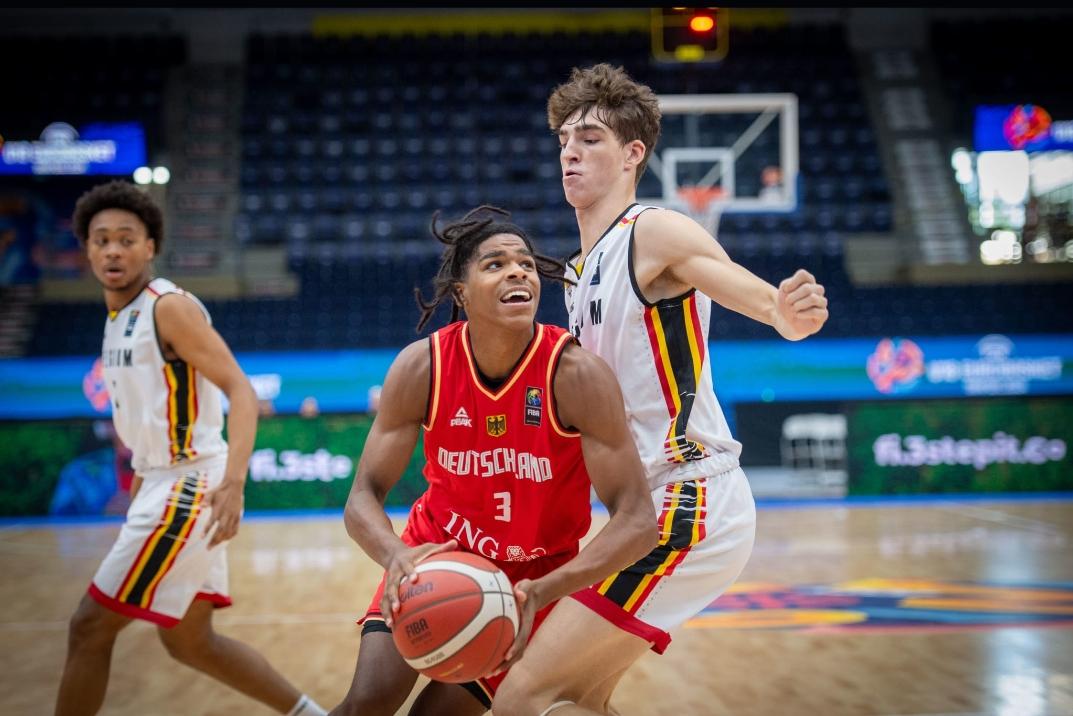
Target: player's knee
186, 648
513, 699
361, 705
90, 626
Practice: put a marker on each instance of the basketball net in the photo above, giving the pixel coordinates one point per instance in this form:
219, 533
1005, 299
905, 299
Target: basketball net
702, 205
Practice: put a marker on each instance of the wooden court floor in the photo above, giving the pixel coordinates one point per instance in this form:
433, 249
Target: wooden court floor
298, 584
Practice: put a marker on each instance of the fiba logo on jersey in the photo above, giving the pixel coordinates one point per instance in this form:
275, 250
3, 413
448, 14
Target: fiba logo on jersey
130, 323
534, 401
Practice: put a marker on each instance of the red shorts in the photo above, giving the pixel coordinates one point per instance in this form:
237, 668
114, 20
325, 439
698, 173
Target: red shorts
421, 531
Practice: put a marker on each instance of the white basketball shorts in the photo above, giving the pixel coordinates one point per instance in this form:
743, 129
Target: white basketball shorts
161, 561
706, 532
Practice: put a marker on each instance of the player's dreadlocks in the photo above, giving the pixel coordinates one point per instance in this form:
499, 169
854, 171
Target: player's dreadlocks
461, 239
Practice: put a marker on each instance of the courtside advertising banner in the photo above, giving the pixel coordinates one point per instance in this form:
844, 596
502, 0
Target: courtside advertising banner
70, 468
887, 367
974, 445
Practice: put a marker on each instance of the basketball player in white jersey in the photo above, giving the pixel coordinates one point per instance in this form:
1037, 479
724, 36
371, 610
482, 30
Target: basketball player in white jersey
645, 278
165, 367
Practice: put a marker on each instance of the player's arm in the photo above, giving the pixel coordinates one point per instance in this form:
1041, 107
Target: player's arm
589, 399
185, 332
387, 452
673, 246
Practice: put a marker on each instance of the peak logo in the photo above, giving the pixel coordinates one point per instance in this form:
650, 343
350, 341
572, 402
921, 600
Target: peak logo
461, 418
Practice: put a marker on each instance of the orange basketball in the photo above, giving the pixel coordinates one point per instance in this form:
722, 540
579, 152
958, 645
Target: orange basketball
458, 619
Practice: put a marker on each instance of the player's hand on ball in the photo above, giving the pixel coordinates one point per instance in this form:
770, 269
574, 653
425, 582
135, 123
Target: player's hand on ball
401, 567
802, 306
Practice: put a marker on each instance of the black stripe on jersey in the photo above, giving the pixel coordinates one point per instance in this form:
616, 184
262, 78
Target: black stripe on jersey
184, 510
183, 418
673, 317
680, 537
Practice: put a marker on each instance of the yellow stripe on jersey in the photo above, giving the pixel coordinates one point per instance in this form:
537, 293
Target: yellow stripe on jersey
668, 371
689, 306
182, 410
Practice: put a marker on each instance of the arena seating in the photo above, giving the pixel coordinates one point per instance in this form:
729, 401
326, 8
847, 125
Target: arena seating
117, 78
349, 144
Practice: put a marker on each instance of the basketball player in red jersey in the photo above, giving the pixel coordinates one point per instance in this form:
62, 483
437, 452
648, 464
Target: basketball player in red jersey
518, 423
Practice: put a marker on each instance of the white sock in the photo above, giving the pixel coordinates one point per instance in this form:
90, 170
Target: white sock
307, 707
557, 704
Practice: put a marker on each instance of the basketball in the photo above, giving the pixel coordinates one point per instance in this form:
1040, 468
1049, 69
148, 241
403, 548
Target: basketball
457, 621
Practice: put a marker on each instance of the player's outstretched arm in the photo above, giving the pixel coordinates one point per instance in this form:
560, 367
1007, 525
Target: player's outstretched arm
184, 331
588, 398
673, 249
387, 451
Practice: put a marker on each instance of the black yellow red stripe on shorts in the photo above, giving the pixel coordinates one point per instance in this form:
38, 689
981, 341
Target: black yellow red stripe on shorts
165, 542
681, 525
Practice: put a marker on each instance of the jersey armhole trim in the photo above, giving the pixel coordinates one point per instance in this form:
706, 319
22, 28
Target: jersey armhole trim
432, 403
553, 366
633, 276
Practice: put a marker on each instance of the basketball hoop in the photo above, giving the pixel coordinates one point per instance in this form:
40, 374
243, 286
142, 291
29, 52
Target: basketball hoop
703, 205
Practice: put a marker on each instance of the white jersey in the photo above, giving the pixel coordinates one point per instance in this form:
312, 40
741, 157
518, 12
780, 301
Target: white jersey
164, 411
659, 352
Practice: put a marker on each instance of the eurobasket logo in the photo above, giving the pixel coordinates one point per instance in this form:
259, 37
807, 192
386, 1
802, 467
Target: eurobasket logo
896, 365
94, 387
1027, 123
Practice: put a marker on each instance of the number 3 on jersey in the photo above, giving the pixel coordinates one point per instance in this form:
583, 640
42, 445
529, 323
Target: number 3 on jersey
504, 506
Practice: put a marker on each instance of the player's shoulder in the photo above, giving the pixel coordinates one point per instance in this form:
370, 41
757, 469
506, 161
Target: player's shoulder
661, 222
669, 236
414, 352
579, 369
172, 302
414, 357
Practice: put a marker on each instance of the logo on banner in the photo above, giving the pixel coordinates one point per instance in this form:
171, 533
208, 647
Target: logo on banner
496, 425
896, 365
997, 371
1027, 123
94, 387
534, 402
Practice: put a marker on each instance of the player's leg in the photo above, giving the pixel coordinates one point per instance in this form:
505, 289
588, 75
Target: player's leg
599, 698
90, 638
116, 594
440, 699
706, 535
574, 649
382, 678
194, 642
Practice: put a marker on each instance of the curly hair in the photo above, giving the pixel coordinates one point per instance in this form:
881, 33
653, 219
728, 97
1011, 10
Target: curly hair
123, 195
629, 108
461, 239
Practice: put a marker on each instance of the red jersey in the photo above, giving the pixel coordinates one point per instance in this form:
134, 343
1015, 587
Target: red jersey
506, 479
